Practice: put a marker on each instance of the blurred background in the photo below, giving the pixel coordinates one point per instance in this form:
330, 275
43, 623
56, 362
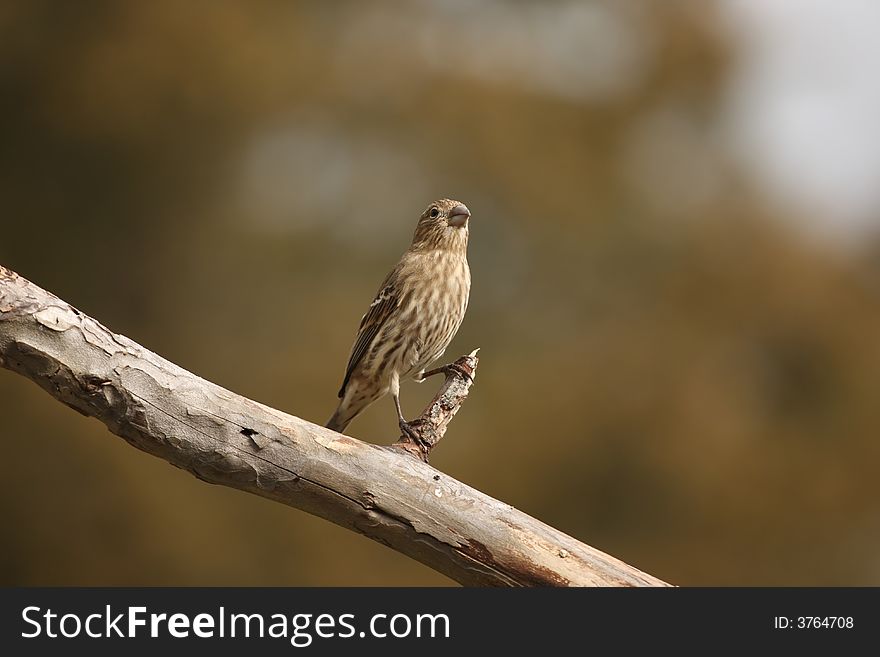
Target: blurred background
675, 232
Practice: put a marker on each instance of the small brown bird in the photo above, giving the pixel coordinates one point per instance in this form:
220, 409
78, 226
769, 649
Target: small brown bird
414, 316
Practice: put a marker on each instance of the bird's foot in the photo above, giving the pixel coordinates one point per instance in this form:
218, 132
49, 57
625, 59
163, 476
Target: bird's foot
449, 369
411, 431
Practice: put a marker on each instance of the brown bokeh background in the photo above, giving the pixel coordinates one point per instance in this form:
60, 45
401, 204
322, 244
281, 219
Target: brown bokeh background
672, 371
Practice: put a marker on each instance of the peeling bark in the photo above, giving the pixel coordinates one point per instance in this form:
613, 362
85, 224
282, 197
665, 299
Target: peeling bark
227, 439
431, 425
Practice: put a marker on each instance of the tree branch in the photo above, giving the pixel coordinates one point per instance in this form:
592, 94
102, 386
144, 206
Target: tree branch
431, 425
226, 439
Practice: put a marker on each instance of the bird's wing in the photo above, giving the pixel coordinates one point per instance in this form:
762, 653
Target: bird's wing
380, 310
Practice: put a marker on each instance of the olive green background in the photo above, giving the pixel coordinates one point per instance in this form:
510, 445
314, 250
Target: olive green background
670, 371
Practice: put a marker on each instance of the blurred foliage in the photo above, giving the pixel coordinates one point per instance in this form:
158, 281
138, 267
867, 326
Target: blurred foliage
227, 183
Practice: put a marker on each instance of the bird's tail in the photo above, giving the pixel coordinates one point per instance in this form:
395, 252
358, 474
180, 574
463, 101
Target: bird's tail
339, 420
350, 406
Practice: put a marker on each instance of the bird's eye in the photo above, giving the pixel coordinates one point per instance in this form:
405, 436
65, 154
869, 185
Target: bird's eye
434, 213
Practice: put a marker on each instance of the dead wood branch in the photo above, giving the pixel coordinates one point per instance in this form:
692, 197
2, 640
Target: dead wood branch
431, 425
226, 439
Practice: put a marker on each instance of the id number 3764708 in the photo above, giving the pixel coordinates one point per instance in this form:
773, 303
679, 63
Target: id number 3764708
813, 622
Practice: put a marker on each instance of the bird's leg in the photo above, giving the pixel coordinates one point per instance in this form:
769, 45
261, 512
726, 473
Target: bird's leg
407, 428
447, 370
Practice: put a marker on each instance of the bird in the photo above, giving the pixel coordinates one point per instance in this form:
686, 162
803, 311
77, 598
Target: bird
413, 317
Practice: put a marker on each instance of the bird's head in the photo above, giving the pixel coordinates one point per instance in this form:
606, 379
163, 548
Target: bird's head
443, 225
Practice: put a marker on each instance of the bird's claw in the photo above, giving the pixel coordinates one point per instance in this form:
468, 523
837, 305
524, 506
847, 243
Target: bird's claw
448, 369
455, 367
413, 434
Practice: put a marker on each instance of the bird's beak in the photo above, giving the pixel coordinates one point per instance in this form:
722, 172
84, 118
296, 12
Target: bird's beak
458, 216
